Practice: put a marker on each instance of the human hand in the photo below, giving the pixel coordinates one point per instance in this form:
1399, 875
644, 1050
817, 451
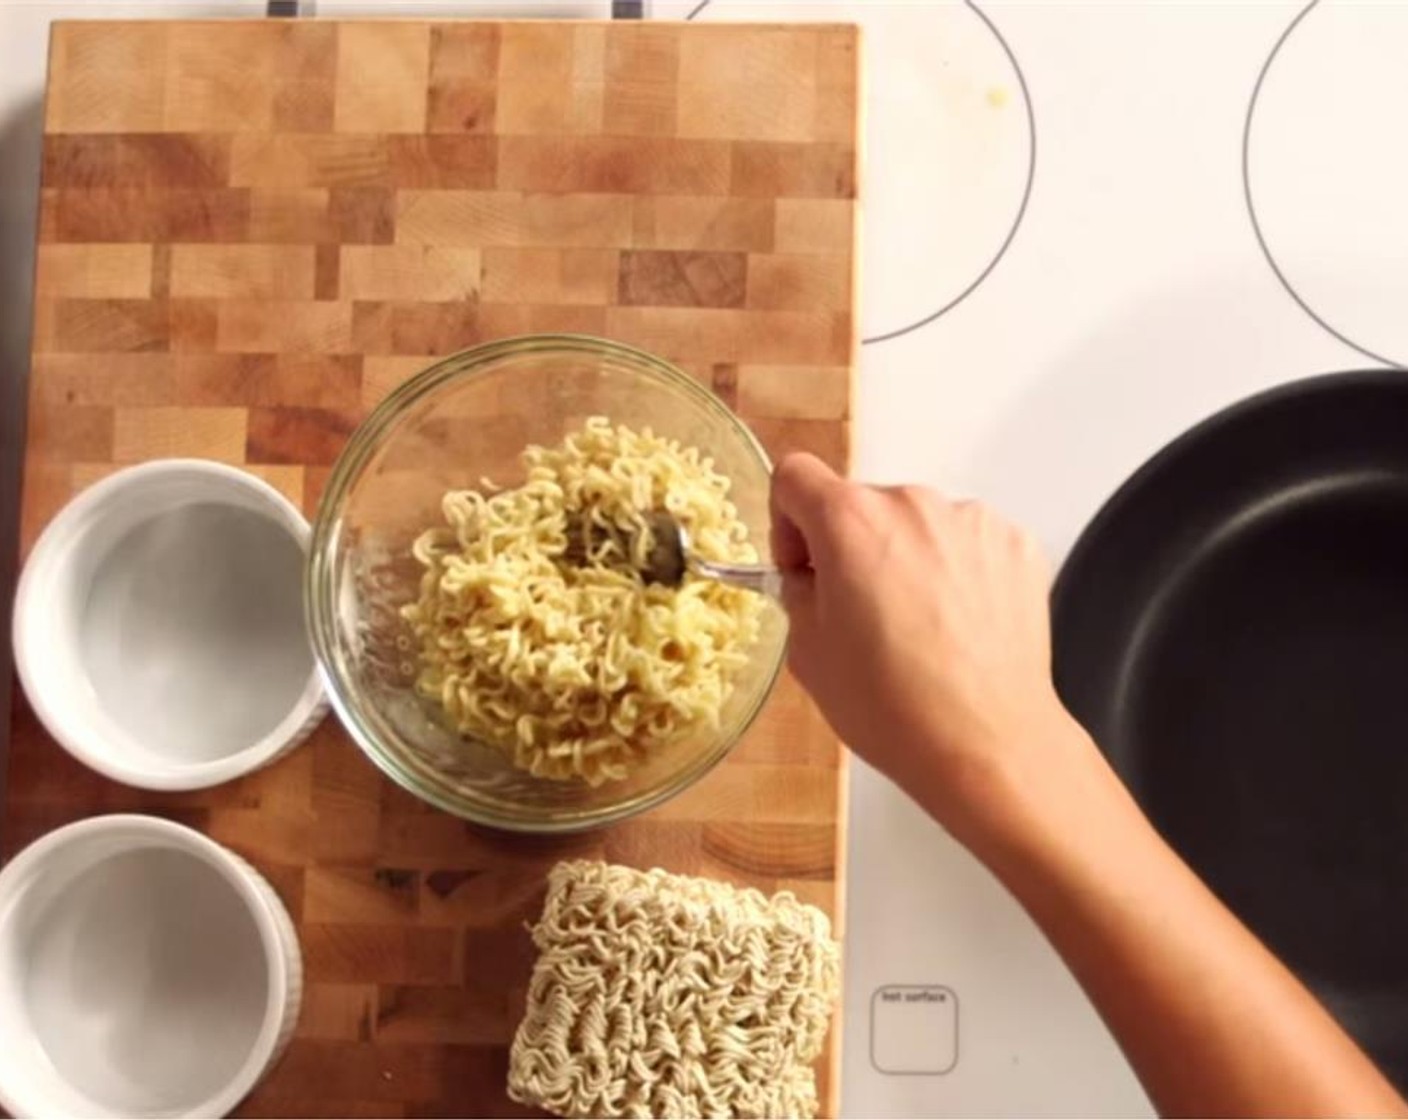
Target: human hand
921, 628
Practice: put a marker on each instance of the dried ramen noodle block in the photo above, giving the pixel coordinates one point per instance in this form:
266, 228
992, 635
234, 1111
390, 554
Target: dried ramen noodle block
580, 670
663, 995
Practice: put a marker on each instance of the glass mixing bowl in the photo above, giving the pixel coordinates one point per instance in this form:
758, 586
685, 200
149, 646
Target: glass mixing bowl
464, 419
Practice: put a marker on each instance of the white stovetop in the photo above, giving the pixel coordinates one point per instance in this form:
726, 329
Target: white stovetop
1134, 297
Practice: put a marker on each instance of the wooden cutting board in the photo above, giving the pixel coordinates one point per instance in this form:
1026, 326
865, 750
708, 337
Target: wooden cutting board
250, 232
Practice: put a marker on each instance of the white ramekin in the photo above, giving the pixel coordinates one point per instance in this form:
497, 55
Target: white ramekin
159, 626
144, 971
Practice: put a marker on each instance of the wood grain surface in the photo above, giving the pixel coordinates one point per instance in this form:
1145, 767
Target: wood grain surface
251, 232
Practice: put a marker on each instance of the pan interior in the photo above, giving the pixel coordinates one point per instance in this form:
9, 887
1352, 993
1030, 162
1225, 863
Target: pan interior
1233, 629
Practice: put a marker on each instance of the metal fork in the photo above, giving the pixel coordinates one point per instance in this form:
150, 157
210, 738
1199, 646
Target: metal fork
670, 557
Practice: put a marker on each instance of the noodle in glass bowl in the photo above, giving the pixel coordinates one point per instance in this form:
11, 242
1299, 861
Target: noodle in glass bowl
467, 419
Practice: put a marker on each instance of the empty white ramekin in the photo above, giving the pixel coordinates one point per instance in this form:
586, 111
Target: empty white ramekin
159, 629
144, 971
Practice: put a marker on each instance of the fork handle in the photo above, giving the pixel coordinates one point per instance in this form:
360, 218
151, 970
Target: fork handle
762, 578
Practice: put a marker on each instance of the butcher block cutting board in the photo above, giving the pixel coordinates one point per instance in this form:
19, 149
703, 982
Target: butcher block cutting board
250, 233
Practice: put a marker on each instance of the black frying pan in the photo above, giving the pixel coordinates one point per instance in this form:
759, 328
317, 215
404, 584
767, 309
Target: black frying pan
1233, 630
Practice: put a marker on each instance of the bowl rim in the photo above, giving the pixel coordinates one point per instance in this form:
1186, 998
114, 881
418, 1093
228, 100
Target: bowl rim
33, 618
282, 973
320, 594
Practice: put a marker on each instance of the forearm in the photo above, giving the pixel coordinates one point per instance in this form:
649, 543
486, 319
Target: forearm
1210, 1020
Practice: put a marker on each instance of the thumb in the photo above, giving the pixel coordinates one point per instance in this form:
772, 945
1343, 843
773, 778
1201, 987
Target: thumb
801, 488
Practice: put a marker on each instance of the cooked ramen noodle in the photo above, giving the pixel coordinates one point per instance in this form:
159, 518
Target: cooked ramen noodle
574, 666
